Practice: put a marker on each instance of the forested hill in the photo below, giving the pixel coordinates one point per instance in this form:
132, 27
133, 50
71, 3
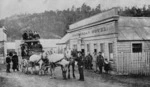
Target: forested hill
50, 24
53, 24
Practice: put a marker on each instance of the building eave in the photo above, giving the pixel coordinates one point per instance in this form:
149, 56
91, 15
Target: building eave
114, 18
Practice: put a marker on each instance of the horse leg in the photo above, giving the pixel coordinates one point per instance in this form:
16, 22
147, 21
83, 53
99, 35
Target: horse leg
73, 70
63, 72
69, 71
31, 70
27, 67
40, 71
51, 73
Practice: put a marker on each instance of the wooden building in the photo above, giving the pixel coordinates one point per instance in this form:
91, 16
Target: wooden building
122, 40
3, 39
64, 43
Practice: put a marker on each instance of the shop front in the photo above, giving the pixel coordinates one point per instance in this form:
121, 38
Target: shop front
95, 36
125, 41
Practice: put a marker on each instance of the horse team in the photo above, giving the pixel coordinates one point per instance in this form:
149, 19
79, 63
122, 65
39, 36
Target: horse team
45, 62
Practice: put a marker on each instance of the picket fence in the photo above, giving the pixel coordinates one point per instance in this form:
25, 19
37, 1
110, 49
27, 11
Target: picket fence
133, 63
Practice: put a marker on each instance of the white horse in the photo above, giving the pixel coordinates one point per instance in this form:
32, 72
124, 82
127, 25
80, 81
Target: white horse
35, 61
24, 65
58, 60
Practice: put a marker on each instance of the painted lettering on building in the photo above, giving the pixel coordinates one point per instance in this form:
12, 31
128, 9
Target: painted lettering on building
96, 30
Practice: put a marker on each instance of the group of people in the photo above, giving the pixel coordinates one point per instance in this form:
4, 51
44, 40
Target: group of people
100, 62
12, 57
26, 47
87, 63
30, 35
33, 45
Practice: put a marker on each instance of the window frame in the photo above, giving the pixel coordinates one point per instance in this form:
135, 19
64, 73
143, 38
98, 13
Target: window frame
110, 50
137, 43
102, 45
88, 47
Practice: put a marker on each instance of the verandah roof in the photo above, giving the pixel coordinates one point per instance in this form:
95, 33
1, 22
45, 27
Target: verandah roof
65, 39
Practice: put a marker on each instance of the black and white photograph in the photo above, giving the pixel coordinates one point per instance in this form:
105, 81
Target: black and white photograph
74, 43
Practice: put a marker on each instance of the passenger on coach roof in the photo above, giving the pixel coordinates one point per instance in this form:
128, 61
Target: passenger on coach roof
25, 36
36, 35
30, 35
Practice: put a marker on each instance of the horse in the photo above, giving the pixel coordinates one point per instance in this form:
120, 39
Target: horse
64, 60
24, 65
71, 56
34, 61
56, 60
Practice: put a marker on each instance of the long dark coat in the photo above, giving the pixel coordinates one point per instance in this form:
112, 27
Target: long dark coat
8, 60
15, 62
100, 60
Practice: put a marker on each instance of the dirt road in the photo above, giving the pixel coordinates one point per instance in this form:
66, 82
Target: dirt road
18, 79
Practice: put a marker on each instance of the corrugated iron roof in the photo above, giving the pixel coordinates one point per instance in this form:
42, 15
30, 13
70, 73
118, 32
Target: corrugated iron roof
134, 28
98, 17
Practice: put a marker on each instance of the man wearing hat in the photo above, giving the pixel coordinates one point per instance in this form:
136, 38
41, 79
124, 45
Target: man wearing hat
8, 60
15, 62
100, 61
79, 59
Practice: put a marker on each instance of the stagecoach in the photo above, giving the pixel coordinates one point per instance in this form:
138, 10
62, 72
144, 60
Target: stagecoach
30, 45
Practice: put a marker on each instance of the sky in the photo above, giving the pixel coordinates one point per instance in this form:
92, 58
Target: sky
12, 7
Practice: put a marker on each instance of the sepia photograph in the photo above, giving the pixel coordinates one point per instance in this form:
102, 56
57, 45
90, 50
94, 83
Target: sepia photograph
74, 43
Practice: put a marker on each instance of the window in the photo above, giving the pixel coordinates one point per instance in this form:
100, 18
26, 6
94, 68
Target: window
75, 46
102, 47
136, 47
88, 47
82, 46
110, 47
95, 48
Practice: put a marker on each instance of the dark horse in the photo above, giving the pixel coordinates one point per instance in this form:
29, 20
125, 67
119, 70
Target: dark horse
72, 63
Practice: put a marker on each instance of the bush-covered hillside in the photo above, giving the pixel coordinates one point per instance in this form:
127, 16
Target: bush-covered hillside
54, 24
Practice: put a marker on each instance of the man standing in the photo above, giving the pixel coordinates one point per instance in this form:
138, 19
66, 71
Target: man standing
79, 59
95, 57
100, 62
15, 62
8, 60
89, 61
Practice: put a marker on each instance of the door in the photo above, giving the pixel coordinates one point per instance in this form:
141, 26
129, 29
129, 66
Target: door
102, 48
95, 48
110, 49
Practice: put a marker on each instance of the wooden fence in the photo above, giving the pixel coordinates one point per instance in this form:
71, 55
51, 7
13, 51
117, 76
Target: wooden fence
133, 63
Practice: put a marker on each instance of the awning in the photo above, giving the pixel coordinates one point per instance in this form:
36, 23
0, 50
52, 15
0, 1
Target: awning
65, 39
